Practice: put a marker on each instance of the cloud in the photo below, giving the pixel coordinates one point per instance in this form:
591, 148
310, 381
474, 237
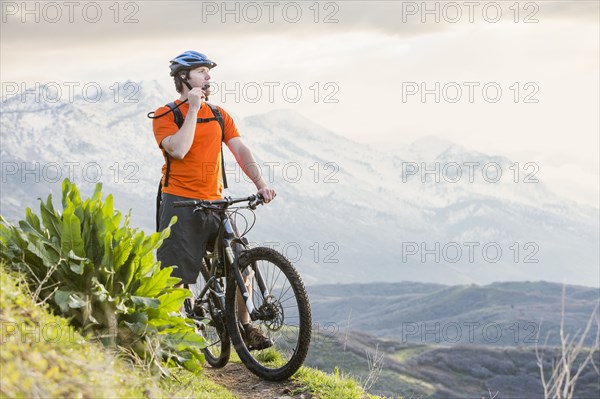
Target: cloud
88, 23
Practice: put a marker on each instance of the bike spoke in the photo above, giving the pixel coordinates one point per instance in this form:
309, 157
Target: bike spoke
275, 280
282, 295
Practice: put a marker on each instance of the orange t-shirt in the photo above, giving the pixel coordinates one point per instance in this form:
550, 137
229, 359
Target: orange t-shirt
198, 174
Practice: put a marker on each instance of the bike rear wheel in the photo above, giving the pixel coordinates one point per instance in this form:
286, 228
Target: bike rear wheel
285, 310
209, 313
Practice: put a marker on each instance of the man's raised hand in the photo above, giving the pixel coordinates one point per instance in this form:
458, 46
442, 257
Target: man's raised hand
196, 97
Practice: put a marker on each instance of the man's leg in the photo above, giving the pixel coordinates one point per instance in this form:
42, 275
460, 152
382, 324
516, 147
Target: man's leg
186, 245
253, 337
242, 312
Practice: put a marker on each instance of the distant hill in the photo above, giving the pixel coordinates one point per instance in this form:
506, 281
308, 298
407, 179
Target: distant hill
439, 372
498, 314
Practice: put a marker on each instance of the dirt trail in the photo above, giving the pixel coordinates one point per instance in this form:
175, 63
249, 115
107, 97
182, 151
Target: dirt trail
242, 383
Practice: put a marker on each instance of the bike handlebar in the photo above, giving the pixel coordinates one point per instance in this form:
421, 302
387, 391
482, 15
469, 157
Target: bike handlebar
253, 202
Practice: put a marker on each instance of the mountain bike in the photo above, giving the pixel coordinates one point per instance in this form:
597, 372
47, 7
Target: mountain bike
278, 304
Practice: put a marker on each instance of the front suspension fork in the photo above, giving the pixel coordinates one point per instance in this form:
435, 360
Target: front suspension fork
239, 279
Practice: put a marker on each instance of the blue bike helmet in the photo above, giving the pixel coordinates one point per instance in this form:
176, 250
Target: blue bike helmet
190, 60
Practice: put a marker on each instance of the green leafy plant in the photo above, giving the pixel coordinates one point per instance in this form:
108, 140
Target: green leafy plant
103, 276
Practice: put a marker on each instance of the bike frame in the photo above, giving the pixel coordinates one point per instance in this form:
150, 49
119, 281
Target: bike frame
226, 237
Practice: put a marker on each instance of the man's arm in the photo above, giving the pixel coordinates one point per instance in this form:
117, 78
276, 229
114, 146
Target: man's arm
178, 144
246, 160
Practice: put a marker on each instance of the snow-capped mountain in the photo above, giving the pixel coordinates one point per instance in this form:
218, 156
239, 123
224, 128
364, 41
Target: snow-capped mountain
434, 211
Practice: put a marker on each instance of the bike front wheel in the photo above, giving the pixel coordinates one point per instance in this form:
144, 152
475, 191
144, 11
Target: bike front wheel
279, 296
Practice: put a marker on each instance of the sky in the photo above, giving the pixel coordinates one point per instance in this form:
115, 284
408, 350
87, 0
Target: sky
512, 78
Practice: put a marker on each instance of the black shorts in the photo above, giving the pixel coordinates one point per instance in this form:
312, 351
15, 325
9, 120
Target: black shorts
190, 237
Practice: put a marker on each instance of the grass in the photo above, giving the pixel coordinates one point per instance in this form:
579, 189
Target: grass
42, 356
194, 386
327, 354
328, 386
270, 357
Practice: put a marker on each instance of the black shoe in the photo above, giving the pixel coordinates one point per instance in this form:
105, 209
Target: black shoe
255, 339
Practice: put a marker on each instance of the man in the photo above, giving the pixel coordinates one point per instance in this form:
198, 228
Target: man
193, 170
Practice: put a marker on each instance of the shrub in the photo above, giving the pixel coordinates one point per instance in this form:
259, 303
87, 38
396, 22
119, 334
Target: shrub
103, 276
